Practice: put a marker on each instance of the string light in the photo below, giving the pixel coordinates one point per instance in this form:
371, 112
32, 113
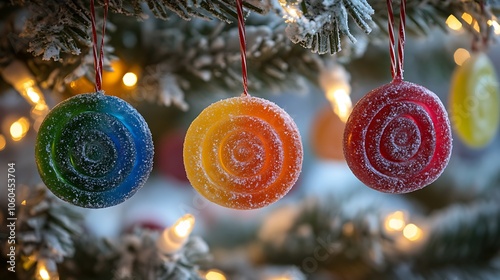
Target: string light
19, 128
412, 232
31, 92
467, 18
453, 23
471, 21
173, 239
19, 76
214, 274
3, 142
334, 80
46, 270
129, 79
292, 13
395, 221
460, 56
341, 103
495, 25
476, 26
44, 274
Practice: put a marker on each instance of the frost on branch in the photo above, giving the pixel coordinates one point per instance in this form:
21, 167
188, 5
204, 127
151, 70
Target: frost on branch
319, 25
224, 10
204, 56
51, 33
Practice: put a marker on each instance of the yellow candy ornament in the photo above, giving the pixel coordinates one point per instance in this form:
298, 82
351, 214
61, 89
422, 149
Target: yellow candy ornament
474, 101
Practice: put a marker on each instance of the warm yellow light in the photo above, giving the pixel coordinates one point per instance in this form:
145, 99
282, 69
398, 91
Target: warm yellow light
3, 142
19, 128
395, 221
292, 13
341, 103
129, 79
173, 239
476, 26
32, 94
495, 25
46, 269
24, 202
214, 274
38, 113
334, 80
184, 226
467, 18
460, 56
453, 23
44, 274
41, 107
412, 232
16, 131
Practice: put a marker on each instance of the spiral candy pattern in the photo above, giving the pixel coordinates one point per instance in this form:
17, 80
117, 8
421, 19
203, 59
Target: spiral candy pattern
398, 138
94, 150
243, 153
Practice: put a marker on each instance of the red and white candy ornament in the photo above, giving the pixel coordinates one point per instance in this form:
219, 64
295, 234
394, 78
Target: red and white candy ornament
398, 136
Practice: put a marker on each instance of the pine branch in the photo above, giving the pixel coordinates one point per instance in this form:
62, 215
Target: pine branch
463, 233
321, 24
212, 60
47, 230
423, 16
462, 272
135, 256
224, 10
48, 226
193, 55
56, 27
334, 238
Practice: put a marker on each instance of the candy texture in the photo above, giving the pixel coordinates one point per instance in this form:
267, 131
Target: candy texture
94, 150
243, 153
398, 138
474, 101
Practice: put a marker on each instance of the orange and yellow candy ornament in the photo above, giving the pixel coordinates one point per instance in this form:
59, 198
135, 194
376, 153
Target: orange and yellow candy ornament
243, 152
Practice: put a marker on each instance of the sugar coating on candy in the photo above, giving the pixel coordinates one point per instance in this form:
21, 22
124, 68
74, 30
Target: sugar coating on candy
475, 100
94, 150
243, 153
398, 138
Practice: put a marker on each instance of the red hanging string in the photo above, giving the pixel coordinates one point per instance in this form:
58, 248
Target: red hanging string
243, 48
397, 64
98, 61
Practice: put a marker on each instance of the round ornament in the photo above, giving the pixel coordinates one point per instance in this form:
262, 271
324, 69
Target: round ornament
94, 150
326, 135
398, 138
243, 153
474, 101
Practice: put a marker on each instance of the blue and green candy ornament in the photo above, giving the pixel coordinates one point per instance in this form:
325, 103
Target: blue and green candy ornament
94, 150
